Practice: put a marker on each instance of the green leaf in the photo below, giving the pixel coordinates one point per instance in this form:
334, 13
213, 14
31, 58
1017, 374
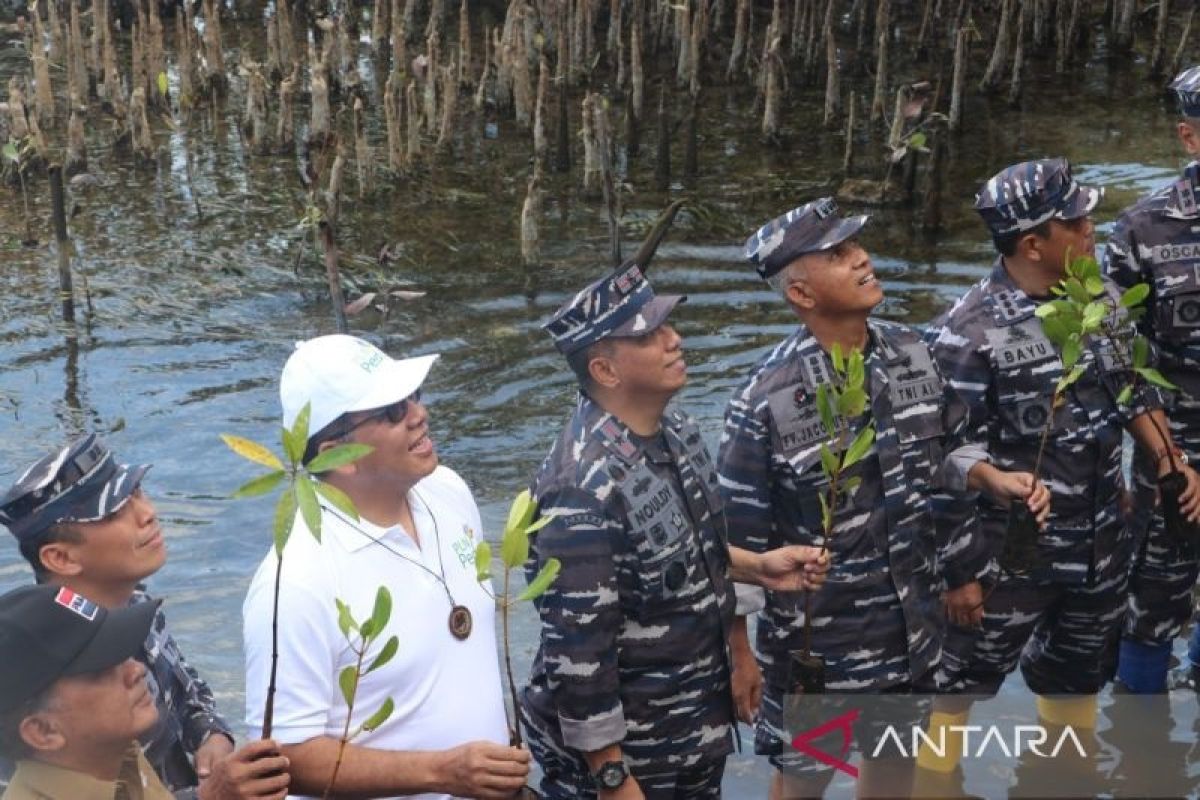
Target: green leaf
541, 582
296, 442
859, 447
345, 619
252, 451
483, 561
1135, 295
514, 547
1045, 310
838, 360
826, 517
1087, 268
1071, 352
855, 370
162, 83
542, 521
310, 509
10, 151
293, 450
1155, 377
1076, 291
382, 611
339, 499
390, 647
285, 518
1094, 285
829, 462
520, 513
852, 403
825, 410
1065, 381
1125, 396
851, 484
1093, 314
1141, 351
338, 456
1056, 329
380, 716
348, 680
917, 140
260, 485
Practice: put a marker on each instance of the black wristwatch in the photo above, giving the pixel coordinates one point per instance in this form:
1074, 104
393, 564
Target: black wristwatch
611, 775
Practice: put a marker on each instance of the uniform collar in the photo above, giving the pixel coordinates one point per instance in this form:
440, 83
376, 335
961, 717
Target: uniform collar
814, 361
616, 436
53, 781
1009, 303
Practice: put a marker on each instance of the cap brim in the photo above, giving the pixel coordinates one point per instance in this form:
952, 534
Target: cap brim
395, 381
1082, 203
121, 635
840, 232
649, 316
112, 496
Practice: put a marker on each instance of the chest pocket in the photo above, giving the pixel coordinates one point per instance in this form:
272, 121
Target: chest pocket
1177, 290
916, 394
1026, 367
659, 532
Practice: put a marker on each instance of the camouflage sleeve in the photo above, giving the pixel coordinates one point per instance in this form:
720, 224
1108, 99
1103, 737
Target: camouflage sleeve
965, 413
1121, 261
194, 701
581, 617
744, 468
961, 548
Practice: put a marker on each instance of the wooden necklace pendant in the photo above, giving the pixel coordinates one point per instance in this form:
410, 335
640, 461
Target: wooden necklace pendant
460, 622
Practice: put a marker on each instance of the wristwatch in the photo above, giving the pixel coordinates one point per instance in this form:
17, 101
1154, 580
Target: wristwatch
611, 775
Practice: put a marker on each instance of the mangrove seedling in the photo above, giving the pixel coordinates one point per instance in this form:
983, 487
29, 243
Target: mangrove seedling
1082, 310
840, 405
300, 490
361, 636
514, 552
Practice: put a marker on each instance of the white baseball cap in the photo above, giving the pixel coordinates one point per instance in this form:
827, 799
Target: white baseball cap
338, 374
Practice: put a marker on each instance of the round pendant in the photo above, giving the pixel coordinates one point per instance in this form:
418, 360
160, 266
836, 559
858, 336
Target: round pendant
460, 622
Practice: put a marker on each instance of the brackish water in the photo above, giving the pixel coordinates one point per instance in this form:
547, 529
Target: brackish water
192, 318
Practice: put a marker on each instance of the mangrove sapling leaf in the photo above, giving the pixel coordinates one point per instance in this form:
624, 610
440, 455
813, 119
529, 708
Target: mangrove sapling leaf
348, 681
829, 462
1154, 376
252, 451
285, 515
382, 611
261, 485
295, 440
521, 512
483, 561
1126, 395
825, 410
310, 508
1141, 351
379, 717
541, 582
1135, 295
339, 499
1094, 285
514, 547
336, 457
1072, 349
390, 648
10, 151
826, 514
346, 621
859, 447
837, 358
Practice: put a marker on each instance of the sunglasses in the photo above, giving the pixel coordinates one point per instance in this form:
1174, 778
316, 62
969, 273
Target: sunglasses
395, 413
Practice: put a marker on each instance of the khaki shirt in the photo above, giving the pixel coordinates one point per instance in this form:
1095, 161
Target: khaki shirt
36, 780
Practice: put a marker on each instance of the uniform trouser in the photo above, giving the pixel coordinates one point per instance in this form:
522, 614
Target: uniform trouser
1160, 584
565, 775
1058, 633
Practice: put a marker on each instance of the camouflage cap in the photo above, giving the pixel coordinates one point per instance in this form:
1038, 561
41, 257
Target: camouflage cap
1023, 196
1187, 91
811, 228
620, 304
81, 482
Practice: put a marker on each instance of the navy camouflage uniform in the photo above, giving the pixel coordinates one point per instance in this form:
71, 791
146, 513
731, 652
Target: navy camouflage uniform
83, 483
898, 540
1157, 241
633, 638
1060, 620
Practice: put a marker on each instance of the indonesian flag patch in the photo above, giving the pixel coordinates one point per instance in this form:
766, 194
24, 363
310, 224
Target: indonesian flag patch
77, 603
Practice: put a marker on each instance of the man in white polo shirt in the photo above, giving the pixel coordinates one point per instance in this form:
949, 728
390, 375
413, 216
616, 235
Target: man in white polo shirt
416, 534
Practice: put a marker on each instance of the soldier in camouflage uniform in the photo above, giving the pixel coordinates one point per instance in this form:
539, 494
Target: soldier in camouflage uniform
629, 692
897, 542
1058, 620
82, 521
1157, 241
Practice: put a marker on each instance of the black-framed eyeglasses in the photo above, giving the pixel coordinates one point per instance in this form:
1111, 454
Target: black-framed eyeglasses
394, 413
